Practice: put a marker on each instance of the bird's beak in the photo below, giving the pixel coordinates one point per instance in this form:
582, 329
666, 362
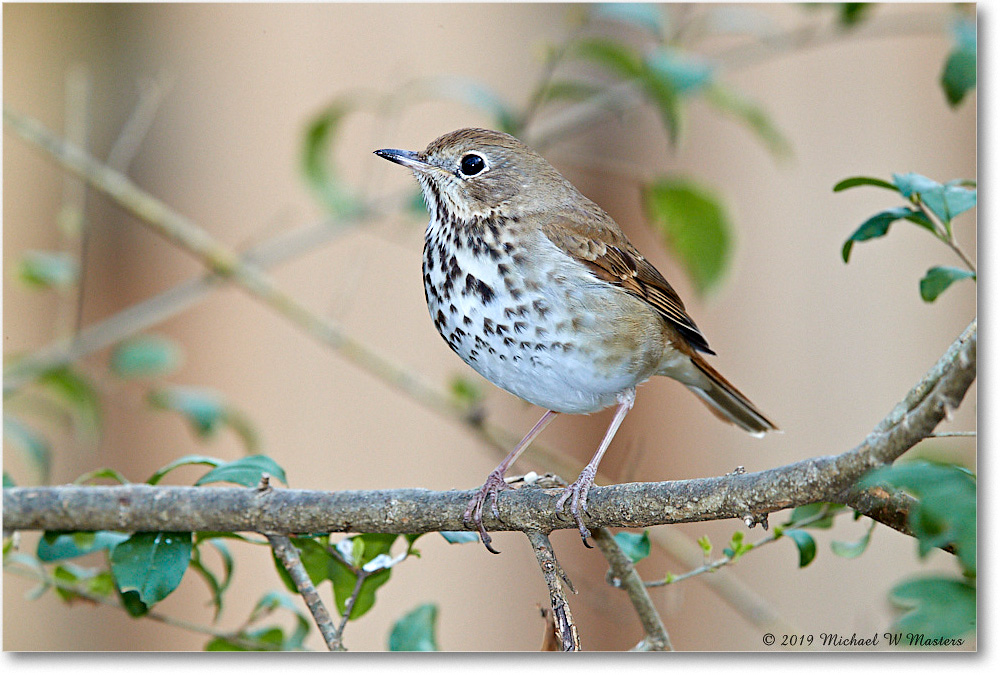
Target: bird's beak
406, 158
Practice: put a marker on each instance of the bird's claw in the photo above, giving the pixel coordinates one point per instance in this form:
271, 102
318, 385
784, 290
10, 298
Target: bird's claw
578, 490
474, 512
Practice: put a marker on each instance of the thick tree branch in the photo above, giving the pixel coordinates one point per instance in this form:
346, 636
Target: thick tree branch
143, 315
149, 508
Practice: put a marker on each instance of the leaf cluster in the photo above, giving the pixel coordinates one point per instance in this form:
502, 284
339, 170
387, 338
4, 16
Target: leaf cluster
944, 515
932, 206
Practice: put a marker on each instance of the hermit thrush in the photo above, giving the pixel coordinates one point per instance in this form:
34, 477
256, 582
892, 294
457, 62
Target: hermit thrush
538, 289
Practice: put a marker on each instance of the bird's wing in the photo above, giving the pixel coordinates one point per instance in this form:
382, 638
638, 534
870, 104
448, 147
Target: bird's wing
609, 255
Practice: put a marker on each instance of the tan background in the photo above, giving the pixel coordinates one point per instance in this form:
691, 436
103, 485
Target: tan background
823, 347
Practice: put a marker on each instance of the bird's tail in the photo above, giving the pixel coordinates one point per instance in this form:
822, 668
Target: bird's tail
726, 401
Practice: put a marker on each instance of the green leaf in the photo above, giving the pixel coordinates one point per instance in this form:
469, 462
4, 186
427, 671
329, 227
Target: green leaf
48, 269
416, 631
750, 113
344, 577
910, 184
76, 394
411, 539
416, 203
199, 537
694, 225
950, 201
268, 638
851, 13
316, 560
100, 584
945, 511
705, 544
466, 392
683, 73
636, 546
65, 545
939, 607
86, 580
614, 56
959, 74
316, 158
145, 356
460, 537
216, 587
876, 226
186, 460
737, 547
245, 471
131, 603
945, 201
918, 218
151, 564
852, 549
35, 448
669, 108
645, 15
938, 279
809, 511
805, 543
569, 90
856, 181
105, 472
206, 411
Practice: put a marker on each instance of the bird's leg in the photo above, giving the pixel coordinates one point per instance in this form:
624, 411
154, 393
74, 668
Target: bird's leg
495, 482
579, 489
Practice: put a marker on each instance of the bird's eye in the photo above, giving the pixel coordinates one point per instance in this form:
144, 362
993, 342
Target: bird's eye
472, 164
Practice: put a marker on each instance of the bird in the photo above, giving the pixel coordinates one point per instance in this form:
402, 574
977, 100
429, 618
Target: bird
538, 289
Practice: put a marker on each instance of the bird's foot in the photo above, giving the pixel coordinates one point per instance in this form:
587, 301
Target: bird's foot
578, 491
474, 513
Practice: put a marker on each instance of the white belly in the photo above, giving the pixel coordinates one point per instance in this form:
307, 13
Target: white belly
517, 322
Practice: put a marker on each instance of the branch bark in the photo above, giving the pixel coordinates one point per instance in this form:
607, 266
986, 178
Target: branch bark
286, 552
154, 508
567, 636
625, 576
157, 309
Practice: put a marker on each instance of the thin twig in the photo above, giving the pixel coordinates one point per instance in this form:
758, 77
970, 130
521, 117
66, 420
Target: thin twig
286, 552
713, 565
810, 36
224, 262
953, 245
554, 58
943, 231
134, 132
360, 575
624, 576
734, 592
72, 216
566, 632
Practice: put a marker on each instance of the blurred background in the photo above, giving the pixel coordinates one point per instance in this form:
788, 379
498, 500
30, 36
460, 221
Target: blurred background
207, 107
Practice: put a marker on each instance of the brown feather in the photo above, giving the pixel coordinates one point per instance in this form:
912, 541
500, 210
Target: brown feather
727, 402
603, 248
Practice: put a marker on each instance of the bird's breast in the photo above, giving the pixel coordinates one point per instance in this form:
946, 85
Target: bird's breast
534, 321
